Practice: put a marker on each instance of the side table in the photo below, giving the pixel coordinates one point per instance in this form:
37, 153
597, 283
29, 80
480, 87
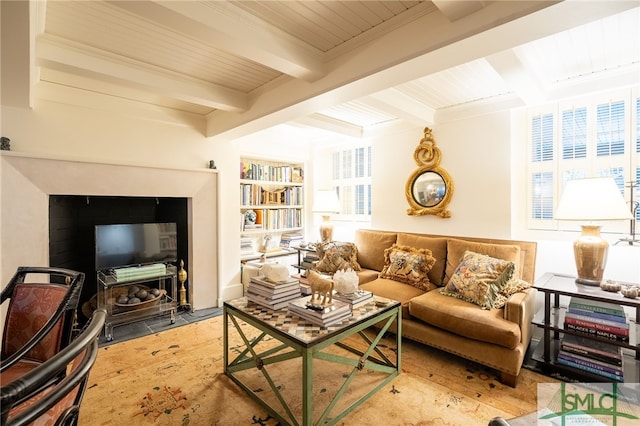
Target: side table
551, 320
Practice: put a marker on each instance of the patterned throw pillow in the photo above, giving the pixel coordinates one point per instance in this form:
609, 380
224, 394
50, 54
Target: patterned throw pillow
479, 279
514, 286
408, 265
335, 256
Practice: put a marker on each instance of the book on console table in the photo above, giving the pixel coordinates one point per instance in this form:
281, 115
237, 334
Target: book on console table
610, 328
595, 332
320, 315
593, 349
605, 310
591, 366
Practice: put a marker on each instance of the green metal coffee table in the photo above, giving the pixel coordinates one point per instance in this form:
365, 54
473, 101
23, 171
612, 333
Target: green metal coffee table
274, 352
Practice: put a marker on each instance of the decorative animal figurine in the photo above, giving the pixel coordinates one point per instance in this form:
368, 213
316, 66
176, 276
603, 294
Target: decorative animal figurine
320, 287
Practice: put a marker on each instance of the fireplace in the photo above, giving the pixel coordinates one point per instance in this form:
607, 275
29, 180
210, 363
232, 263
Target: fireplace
27, 184
72, 221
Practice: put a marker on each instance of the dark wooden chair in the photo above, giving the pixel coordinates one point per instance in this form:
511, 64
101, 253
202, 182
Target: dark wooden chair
40, 317
51, 393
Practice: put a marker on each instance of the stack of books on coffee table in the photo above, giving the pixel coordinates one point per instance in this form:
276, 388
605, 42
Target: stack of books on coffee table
272, 294
594, 319
320, 315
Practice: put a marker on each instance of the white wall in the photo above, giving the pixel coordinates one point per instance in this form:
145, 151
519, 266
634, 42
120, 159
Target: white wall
475, 153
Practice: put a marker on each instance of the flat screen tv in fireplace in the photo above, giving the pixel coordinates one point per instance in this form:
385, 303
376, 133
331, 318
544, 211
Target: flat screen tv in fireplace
122, 245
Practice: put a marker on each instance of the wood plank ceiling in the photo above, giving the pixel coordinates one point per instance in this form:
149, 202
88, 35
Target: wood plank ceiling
248, 65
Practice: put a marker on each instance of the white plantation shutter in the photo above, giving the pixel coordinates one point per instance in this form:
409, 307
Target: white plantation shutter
542, 138
593, 136
574, 133
541, 170
353, 181
335, 165
610, 129
542, 197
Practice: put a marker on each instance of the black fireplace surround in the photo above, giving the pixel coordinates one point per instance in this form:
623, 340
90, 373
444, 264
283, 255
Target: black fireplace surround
72, 219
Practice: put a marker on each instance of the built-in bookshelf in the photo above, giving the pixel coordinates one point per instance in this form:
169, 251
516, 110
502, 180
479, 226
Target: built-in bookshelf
271, 203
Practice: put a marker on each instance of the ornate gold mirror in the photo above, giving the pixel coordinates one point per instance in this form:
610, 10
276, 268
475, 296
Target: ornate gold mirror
429, 188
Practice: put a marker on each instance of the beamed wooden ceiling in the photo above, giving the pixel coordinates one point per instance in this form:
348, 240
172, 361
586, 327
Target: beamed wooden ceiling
343, 66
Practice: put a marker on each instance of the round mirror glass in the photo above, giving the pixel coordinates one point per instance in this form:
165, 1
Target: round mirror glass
428, 189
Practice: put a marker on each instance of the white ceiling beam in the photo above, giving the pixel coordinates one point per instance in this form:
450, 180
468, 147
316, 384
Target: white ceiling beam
402, 106
226, 27
455, 10
517, 77
62, 56
330, 124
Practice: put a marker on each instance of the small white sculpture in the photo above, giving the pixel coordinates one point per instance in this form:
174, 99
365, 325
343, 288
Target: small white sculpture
346, 281
275, 272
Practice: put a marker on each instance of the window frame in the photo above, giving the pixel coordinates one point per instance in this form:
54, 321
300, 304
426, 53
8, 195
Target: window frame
591, 164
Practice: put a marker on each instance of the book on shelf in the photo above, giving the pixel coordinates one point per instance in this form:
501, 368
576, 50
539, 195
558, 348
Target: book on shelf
618, 329
592, 366
597, 306
594, 349
624, 324
320, 315
597, 315
595, 332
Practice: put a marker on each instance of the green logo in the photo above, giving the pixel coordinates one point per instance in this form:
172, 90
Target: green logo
592, 403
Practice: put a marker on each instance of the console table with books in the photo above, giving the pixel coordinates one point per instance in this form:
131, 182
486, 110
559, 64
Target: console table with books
589, 335
304, 373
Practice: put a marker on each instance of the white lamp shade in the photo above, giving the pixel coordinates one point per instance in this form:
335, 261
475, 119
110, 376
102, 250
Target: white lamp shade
592, 199
326, 201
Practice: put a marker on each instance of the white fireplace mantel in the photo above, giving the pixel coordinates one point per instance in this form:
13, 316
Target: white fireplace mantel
26, 182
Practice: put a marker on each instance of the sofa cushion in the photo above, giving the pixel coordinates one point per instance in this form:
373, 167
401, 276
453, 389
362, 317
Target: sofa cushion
394, 290
465, 319
367, 275
456, 249
438, 247
371, 247
479, 278
408, 265
335, 255
515, 285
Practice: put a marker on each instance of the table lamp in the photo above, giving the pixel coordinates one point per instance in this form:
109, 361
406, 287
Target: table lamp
587, 200
326, 203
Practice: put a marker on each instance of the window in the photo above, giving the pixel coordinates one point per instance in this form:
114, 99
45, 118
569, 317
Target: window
591, 136
352, 179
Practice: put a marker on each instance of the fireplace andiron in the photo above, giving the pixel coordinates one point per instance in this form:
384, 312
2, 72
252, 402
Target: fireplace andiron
182, 277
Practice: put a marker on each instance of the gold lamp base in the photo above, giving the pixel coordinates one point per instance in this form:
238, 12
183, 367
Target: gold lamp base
590, 252
326, 229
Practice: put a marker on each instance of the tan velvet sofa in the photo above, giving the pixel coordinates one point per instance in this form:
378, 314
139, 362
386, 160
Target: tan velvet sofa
497, 338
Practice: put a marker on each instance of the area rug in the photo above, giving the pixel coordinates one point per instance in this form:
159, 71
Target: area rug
176, 377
